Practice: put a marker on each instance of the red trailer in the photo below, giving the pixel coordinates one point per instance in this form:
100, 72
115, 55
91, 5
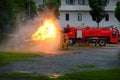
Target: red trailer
88, 34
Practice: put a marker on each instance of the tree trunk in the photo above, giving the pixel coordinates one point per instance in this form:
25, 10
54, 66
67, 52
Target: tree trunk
98, 24
1, 34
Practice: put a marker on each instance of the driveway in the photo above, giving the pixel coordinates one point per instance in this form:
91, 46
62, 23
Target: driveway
73, 60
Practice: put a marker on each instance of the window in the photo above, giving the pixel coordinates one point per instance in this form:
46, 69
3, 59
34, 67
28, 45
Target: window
80, 1
114, 34
70, 1
107, 17
67, 17
79, 17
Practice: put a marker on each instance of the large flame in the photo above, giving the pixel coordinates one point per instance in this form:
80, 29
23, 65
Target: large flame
48, 35
46, 31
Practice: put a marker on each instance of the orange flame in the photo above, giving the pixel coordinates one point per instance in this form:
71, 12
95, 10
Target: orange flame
48, 35
47, 30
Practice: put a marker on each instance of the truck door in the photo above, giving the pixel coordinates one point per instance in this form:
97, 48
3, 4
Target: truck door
79, 33
114, 36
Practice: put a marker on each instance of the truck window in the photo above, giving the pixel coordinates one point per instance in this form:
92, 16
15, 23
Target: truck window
114, 34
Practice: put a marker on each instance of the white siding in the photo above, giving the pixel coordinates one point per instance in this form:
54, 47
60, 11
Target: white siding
112, 2
73, 11
86, 19
76, 2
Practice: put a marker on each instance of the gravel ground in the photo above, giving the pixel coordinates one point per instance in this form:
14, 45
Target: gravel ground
69, 61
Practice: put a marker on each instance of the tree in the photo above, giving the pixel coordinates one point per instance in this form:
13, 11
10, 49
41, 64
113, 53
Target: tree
97, 10
30, 8
53, 5
9, 9
7, 14
117, 11
41, 7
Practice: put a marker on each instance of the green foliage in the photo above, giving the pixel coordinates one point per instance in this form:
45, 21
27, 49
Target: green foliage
10, 9
30, 7
26, 6
117, 11
8, 57
97, 9
7, 13
85, 66
54, 5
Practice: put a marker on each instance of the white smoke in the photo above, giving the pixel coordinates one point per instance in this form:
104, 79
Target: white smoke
20, 39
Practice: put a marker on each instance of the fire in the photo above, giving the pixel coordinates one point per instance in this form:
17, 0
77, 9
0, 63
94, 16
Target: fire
48, 35
41, 35
46, 31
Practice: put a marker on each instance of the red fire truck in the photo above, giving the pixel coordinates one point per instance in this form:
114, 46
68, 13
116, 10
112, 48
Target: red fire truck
95, 35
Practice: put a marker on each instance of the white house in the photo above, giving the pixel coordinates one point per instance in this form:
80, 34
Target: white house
76, 13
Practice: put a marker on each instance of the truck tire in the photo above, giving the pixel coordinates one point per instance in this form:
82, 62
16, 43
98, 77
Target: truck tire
72, 41
76, 44
102, 42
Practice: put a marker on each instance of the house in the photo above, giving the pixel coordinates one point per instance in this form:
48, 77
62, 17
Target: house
76, 13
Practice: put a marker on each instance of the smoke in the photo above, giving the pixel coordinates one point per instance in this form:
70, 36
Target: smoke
20, 40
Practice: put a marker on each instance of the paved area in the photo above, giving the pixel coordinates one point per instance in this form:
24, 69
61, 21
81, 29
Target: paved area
69, 61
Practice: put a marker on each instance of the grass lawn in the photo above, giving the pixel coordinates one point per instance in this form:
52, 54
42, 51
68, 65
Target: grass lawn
22, 76
113, 74
85, 66
7, 57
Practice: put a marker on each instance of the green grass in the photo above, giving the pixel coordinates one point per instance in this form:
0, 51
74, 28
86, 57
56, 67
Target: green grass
24, 76
85, 66
76, 68
85, 46
90, 46
113, 74
8, 57
32, 60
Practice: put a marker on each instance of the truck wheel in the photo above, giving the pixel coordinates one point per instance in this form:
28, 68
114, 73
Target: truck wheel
102, 43
76, 44
72, 41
